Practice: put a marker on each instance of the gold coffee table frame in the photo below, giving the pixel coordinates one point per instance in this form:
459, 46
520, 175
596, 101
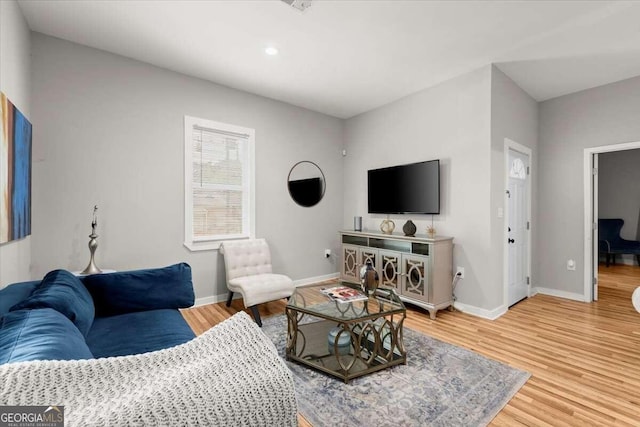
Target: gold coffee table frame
374, 328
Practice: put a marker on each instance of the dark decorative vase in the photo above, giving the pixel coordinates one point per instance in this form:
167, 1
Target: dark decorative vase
409, 228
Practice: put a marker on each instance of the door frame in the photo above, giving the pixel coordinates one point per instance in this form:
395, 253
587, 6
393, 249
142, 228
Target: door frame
589, 202
595, 246
512, 145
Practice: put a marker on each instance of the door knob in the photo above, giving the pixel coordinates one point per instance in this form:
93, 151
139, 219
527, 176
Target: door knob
510, 240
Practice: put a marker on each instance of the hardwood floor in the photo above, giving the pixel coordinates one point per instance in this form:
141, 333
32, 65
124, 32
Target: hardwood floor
584, 358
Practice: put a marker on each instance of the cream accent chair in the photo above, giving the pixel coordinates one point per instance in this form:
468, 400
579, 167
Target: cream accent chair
248, 268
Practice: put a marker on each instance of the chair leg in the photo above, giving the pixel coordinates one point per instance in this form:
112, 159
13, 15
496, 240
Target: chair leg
613, 259
608, 256
256, 315
229, 298
638, 258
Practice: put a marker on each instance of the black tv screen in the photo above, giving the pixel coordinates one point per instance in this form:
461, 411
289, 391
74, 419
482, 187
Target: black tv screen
412, 188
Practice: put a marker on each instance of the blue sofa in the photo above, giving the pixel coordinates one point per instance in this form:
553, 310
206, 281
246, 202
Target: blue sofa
64, 317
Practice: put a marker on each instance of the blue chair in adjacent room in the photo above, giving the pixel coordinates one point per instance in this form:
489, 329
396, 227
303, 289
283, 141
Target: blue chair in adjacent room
610, 242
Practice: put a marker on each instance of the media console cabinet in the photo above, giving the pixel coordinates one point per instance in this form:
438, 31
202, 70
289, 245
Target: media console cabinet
419, 268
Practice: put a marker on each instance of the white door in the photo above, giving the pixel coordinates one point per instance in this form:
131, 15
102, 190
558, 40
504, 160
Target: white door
517, 227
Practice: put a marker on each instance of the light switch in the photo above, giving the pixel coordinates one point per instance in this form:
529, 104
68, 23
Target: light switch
500, 213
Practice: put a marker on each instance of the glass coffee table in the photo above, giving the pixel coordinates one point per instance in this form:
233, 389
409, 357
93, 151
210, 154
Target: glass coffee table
345, 339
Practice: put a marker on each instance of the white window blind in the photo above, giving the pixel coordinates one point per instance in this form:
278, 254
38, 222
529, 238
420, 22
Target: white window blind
218, 183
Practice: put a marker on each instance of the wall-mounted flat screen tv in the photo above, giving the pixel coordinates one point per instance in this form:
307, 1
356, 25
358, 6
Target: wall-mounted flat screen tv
403, 189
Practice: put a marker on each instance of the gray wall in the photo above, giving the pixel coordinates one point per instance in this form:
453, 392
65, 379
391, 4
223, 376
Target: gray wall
15, 74
109, 131
601, 116
450, 122
619, 192
514, 115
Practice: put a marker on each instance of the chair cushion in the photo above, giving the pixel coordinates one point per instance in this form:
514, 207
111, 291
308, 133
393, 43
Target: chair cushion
626, 247
40, 334
139, 332
65, 293
139, 290
262, 288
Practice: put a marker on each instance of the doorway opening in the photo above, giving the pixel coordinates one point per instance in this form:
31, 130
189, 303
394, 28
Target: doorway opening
591, 199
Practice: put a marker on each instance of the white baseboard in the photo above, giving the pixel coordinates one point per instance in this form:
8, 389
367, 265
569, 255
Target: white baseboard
497, 312
624, 259
214, 299
312, 280
557, 293
480, 312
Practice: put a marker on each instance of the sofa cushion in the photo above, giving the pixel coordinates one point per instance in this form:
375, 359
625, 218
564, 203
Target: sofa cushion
138, 332
13, 294
138, 290
41, 334
65, 293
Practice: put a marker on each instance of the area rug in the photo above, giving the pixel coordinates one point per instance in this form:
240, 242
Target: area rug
441, 385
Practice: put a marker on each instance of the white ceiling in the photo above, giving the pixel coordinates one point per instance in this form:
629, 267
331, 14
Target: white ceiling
343, 57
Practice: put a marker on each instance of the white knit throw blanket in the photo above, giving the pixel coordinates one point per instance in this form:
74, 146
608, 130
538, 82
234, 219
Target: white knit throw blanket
230, 375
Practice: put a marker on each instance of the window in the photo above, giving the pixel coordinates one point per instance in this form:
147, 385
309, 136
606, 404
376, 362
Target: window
517, 169
219, 182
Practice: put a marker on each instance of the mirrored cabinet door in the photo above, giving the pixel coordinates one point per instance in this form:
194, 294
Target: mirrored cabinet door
390, 269
414, 272
369, 256
350, 263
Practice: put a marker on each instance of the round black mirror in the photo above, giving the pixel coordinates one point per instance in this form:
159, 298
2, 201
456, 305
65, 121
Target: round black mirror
306, 183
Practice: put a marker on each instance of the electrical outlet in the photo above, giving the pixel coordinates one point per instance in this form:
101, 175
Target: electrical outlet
327, 253
460, 272
571, 265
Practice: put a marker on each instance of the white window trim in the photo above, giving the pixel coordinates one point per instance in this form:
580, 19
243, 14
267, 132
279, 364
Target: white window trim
198, 244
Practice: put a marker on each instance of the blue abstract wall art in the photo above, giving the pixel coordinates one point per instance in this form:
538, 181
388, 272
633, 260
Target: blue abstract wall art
15, 172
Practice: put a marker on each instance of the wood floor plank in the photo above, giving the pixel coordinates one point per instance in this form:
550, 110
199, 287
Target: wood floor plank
584, 358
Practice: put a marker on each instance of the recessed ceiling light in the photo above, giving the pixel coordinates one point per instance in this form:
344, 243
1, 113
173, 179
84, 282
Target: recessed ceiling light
271, 51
